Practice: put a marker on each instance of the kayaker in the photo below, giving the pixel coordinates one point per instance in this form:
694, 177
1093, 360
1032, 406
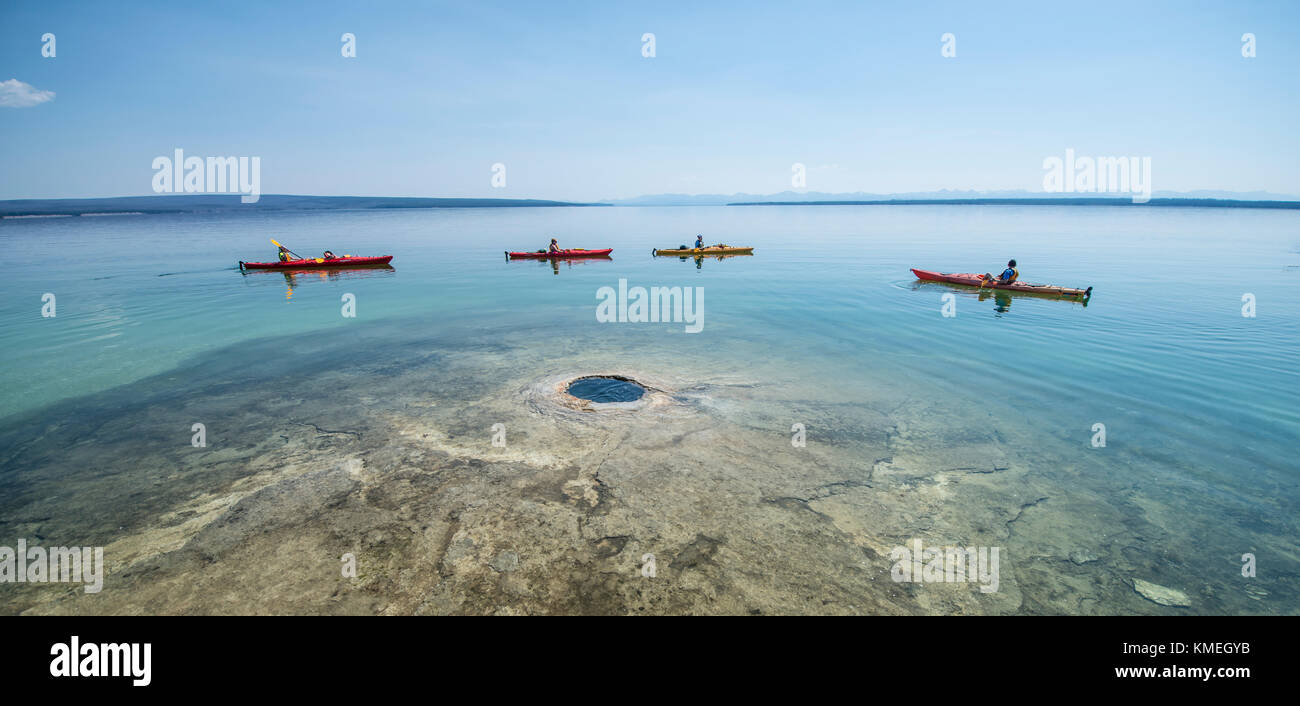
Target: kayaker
555, 246
1008, 276
328, 255
699, 241
285, 255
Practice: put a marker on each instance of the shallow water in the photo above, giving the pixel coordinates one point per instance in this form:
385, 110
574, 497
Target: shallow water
974, 430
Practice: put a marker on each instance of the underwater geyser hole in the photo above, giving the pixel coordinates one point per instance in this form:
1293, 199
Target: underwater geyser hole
606, 389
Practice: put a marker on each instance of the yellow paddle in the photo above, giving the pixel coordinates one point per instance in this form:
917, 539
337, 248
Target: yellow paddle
278, 245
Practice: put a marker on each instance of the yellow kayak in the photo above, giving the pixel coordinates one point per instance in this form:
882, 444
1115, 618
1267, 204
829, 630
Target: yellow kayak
711, 250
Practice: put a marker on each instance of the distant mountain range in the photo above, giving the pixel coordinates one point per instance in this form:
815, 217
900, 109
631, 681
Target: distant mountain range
216, 203
924, 196
212, 203
1074, 203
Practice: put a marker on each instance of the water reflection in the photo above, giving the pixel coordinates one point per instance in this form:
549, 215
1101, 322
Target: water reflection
555, 262
699, 259
1002, 298
1001, 301
298, 277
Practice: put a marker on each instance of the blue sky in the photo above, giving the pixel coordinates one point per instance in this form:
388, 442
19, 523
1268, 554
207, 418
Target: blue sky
560, 93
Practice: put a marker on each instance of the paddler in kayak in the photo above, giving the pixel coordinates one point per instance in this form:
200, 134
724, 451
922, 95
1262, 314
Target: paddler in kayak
328, 255
1008, 276
285, 254
699, 242
555, 246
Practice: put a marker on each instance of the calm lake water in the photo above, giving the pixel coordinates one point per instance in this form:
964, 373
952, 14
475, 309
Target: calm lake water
1198, 402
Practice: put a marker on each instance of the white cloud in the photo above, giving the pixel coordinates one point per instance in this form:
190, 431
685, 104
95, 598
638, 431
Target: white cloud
16, 94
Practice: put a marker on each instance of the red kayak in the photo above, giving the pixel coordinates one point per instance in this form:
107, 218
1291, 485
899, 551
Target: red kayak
561, 253
973, 280
317, 262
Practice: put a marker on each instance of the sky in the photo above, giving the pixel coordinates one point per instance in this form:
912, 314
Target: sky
562, 96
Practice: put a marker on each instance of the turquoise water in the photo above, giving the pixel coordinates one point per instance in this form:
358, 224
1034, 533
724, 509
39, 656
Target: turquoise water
1163, 339
1197, 400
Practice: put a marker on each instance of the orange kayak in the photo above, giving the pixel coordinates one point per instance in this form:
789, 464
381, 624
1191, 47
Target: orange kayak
971, 279
561, 253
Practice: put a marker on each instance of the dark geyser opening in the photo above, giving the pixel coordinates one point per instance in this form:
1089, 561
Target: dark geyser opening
606, 389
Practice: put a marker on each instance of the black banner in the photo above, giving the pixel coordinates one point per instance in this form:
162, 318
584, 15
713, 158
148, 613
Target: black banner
339, 655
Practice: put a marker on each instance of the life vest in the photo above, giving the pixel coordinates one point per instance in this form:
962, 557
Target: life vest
284, 256
1015, 275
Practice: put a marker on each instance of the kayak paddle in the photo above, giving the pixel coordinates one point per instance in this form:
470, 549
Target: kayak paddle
300, 257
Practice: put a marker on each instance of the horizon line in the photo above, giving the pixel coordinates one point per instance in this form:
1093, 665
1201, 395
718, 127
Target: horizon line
226, 203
